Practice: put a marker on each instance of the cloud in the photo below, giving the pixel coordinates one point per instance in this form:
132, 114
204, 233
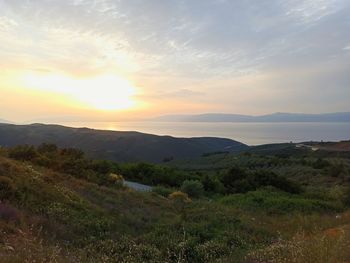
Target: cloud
183, 49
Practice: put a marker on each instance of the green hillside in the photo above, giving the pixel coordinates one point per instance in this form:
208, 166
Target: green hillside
58, 206
116, 145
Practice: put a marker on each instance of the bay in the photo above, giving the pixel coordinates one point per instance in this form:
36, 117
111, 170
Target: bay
249, 133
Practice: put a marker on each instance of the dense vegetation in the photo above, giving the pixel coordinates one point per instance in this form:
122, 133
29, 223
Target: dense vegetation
59, 206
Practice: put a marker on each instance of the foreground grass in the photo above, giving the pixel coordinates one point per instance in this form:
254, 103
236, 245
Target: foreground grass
323, 247
54, 217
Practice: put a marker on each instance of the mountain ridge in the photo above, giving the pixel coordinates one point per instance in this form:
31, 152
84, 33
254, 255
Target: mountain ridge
120, 146
274, 117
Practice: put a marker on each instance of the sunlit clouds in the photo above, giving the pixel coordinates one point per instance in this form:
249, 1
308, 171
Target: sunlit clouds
105, 92
136, 59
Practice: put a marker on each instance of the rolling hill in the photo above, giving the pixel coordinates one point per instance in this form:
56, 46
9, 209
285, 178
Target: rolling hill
58, 207
116, 145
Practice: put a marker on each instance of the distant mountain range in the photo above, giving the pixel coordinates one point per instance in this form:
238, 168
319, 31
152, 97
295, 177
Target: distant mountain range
4, 121
116, 145
275, 117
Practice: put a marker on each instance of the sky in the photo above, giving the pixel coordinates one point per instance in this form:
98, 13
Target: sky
120, 59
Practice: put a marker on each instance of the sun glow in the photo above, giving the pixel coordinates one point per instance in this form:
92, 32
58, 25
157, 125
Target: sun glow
105, 92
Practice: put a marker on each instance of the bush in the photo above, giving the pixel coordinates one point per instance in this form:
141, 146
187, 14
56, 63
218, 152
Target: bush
231, 179
212, 184
193, 188
116, 179
163, 191
180, 201
336, 170
279, 202
305, 248
237, 180
8, 213
264, 178
346, 197
102, 167
7, 188
23, 153
320, 164
46, 148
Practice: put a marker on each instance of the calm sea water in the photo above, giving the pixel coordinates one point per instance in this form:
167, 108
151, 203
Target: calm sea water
249, 133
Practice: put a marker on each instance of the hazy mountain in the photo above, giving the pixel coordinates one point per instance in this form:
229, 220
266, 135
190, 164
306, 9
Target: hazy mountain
116, 145
275, 117
4, 121
208, 117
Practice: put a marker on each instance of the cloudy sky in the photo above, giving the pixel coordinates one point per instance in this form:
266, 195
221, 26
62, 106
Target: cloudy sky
138, 58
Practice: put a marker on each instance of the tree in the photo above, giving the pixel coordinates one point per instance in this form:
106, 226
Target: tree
212, 184
231, 179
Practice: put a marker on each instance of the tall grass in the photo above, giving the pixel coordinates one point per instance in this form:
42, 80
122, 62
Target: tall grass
331, 246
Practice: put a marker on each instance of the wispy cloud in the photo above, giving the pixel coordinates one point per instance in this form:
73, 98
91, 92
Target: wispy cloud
183, 47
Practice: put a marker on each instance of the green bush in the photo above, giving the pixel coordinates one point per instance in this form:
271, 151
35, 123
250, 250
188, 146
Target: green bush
232, 180
116, 180
212, 184
279, 202
193, 188
23, 153
7, 188
238, 180
163, 191
47, 148
346, 197
320, 164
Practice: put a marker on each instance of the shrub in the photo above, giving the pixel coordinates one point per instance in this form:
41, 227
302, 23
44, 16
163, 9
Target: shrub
264, 178
179, 197
231, 179
8, 213
116, 179
163, 191
346, 197
320, 164
73, 153
336, 170
212, 184
102, 167
237, 180
193, 188
303, 248
23, 153
275, 202
180, 200
7, 188
47, 148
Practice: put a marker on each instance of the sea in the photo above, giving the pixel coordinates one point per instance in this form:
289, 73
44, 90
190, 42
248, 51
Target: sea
248, 133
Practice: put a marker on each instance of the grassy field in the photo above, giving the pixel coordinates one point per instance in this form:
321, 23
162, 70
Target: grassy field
50, 212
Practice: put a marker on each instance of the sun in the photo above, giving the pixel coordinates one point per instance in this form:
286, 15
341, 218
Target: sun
107, 93
104, 92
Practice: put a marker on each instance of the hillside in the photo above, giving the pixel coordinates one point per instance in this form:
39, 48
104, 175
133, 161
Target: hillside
56, 212
275, 117
116, 145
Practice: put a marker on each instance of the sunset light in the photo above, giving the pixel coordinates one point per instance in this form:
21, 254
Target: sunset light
174, 131
106, 92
